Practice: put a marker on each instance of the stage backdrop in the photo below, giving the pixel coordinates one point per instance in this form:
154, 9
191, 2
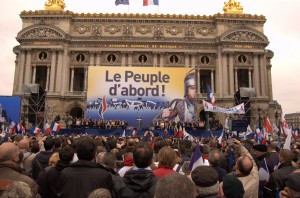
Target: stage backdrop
129, 93
10, 107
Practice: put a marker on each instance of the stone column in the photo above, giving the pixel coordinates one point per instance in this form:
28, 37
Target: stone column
72, 79
154, 59
85, 78
92, 59
263, 74
193, 64
16, 75
212, 81
225, 74
22, 69
28, 66
231, 75
33, 73
58, 79
256, 74
53, 68
186, 59
123, 62
199, 81
64, 71
162, 59
219, 74
48, 78
130, 59
98, 59
270, 90
236, 82
250, 77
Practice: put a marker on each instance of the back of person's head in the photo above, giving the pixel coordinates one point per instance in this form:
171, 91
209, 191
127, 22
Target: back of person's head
18, 189
86, 149
18, 138
53, 159
99, 157
66, 154
167, 157
10, 152
35, 148
48, 144
204, 149
142, 155
214, 157
185, 168
232, 187
57, 142
109, 160
272, 146
23, 144
244, 165
175, 186
286, 156
100, 193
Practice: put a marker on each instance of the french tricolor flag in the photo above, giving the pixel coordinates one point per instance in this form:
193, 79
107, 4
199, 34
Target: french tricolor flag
37, 130
47, 128
56, 127
150, 2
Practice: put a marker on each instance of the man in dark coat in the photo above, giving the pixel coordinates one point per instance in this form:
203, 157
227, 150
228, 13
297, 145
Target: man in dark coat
41, 161
278, 178
140, 181
84, 176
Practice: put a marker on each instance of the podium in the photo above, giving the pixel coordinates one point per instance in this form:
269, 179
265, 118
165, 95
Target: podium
139, 121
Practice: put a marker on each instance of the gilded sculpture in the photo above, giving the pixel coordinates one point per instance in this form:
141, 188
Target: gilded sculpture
55, 5
233, 7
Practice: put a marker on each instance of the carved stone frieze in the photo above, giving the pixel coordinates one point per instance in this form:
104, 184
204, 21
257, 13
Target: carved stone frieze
81, 29
189, 31
174, 30
243, 36
143, 29
204, 31
112, 29
42, 32
96, 30
158, 32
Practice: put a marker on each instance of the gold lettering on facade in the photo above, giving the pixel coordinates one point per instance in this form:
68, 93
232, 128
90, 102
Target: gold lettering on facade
41, 43
243, 46
144, 46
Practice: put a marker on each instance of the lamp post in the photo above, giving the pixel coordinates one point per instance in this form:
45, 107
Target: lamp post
259, 111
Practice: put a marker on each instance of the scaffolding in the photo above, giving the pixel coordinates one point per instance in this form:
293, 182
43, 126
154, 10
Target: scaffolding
33, 104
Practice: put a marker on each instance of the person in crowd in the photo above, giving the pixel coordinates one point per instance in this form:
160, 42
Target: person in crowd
214, 161
84, 176
10, 159
127, 164
17, 189
246, 171
41, 161
274, 155
28, 156
57, 144
166, 161
232, 187
175, 186
278, 177
292, 189
139, 182
206, 181
100, 192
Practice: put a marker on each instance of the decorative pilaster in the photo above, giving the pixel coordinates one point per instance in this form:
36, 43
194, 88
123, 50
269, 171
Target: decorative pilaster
256, 75
53, 67
231, 75
28, 66
33, 73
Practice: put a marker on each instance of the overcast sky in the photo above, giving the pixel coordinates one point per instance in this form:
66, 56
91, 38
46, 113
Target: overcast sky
282, 29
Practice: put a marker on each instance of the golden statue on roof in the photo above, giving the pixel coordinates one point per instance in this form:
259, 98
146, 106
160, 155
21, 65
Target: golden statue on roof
233, 7
55, 5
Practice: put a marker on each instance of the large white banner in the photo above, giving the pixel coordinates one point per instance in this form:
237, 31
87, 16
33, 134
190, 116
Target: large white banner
239, 109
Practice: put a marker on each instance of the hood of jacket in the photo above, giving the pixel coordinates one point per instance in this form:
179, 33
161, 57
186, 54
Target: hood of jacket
139, 180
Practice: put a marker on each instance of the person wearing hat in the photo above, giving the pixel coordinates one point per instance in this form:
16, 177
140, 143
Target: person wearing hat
206, 181
292, 189
232, 187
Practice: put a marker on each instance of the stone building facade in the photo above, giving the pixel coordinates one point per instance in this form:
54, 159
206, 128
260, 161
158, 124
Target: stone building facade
57, 48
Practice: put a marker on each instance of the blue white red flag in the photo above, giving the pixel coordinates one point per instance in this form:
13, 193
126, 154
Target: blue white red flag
197, 159
20, 128
102, 108
122, 2
56, 127
35, 130
150, 2
263, 172
134, 133
47, 128
210, 96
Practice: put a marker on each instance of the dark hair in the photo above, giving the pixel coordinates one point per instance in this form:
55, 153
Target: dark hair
286, 155
142, 155
244, 169
66, 154
48, 144
35, 148
57, 142
86, 149
167, 157
214, 157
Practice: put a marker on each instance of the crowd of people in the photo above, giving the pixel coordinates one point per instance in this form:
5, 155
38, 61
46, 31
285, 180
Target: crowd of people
146, 166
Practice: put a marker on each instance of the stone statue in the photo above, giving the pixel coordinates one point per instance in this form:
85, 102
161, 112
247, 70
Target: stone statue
55, 5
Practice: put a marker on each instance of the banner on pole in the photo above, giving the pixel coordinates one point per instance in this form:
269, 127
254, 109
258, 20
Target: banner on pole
239, 109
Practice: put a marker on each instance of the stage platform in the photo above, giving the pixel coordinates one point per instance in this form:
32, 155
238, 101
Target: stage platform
196, 133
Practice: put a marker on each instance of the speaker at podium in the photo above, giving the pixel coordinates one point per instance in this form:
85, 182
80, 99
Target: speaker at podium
139, 121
